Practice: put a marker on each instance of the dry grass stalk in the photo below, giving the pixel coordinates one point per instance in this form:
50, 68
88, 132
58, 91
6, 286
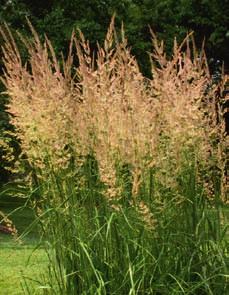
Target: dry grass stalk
108, 108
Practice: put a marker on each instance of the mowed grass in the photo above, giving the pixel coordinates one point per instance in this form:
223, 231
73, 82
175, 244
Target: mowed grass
19, 259
16, 264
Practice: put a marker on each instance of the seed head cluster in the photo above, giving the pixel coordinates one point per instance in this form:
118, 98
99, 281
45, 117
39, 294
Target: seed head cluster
63, 112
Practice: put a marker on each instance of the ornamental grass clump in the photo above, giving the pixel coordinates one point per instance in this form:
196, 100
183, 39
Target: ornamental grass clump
126, 173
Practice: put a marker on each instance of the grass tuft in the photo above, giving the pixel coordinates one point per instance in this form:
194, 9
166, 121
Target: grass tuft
126, 174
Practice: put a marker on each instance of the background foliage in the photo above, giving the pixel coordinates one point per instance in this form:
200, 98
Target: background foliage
169, 18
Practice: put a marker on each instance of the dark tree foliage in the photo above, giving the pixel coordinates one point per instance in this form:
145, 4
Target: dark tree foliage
169, 18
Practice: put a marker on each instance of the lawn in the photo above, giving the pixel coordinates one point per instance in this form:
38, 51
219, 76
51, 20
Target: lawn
19, 260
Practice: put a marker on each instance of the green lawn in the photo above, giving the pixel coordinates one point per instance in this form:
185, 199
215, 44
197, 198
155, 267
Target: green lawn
16, 263
19, 260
